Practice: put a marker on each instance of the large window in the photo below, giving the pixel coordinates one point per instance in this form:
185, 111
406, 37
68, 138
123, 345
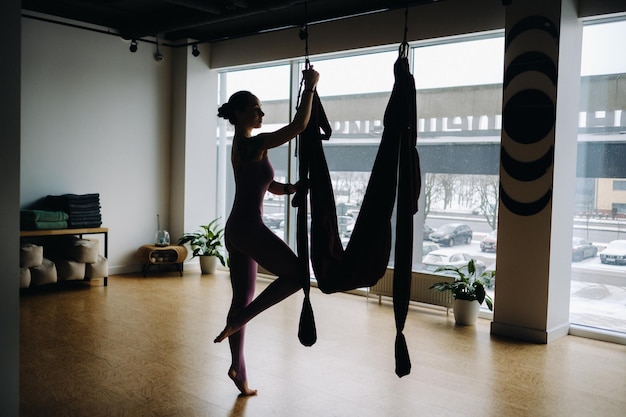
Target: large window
459, 104
354, 91
459, 101
271, 84
459, 90
598, 287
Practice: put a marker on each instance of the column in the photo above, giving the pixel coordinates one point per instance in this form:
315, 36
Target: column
537, 169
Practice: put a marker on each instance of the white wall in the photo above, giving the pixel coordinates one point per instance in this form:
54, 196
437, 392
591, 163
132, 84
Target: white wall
193, 152
96, 119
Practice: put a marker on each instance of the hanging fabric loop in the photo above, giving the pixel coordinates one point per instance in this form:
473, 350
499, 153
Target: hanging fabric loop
394, 182
307, 332
403, 51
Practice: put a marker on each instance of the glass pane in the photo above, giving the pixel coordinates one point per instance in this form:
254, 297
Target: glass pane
459, 104
458, 139
272, 86
598, 287
354, 91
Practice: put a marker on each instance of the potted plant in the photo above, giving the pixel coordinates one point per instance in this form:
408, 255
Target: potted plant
205, 243
468, 291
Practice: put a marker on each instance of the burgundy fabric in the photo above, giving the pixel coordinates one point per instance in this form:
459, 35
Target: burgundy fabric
366, 256
249, 241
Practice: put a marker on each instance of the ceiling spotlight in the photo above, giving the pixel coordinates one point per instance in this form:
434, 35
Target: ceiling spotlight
133, 46
194, 50
158, 56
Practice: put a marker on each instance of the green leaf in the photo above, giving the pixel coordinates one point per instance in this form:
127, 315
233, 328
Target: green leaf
471, 267
206, 241
479, 290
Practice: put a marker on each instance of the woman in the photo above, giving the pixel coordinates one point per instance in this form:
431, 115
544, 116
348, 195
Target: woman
248, 240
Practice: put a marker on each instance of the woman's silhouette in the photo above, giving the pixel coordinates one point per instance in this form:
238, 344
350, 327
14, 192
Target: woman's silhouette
248, 241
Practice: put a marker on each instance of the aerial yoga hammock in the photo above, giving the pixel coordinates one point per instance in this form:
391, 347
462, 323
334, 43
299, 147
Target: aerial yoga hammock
365, 258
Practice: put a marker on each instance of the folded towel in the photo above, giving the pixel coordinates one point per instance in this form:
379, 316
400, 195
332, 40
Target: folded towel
85, 216
43, 216
83, 210
70, 202
81, 224
77, 197
35, 225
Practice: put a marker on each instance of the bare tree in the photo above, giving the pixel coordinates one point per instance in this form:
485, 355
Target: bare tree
431, 191
487, 189
466, 190
588, 211
447, 182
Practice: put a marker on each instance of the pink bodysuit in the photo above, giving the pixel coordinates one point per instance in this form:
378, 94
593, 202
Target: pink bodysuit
249, 242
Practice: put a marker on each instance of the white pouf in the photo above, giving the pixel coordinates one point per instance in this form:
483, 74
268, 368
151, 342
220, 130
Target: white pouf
70, 270
31, 255
25, 278
46, 273
83, 250
99, 269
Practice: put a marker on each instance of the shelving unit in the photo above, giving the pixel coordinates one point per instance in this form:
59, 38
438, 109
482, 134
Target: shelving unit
72, 232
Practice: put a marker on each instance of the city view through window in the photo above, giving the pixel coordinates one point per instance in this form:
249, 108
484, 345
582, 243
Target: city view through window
459, 102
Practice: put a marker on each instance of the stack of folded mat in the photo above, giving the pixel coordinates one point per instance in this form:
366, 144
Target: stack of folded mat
43, 220
83, 210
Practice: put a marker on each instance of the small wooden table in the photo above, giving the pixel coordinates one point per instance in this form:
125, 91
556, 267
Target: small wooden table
75, 232
162, 255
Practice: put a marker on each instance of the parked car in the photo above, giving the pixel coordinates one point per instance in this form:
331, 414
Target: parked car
451, 233
345, 225
428, 247
582, 249
489, 242
427, 231
614, 253
439, 258
354, 213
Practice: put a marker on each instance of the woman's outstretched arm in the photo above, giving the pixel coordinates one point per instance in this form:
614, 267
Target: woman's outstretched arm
300, 120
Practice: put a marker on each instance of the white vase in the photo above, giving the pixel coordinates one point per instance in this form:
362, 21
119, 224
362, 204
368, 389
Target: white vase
208, 264
465, 312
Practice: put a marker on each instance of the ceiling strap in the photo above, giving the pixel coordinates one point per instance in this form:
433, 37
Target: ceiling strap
404, 46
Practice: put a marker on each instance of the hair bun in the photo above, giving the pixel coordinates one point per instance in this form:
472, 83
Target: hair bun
238, 102
224, 111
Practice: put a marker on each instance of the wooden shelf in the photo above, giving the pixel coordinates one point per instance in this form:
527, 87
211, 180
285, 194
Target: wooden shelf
60, 232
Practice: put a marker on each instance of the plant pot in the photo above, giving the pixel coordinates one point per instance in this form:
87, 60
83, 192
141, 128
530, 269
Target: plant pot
208, 264
465, 312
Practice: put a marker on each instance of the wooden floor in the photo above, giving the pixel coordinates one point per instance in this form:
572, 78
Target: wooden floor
144, 347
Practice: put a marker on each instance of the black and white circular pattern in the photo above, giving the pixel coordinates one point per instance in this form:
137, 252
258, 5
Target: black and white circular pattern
527, 152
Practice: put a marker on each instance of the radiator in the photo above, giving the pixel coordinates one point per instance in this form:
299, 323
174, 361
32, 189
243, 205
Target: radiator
420, 288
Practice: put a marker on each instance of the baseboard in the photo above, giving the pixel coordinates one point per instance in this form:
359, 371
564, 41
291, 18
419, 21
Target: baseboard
598, 334
529, 334
193, 265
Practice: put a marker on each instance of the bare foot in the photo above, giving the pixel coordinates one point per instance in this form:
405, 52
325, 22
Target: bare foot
242, 385
228, 331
